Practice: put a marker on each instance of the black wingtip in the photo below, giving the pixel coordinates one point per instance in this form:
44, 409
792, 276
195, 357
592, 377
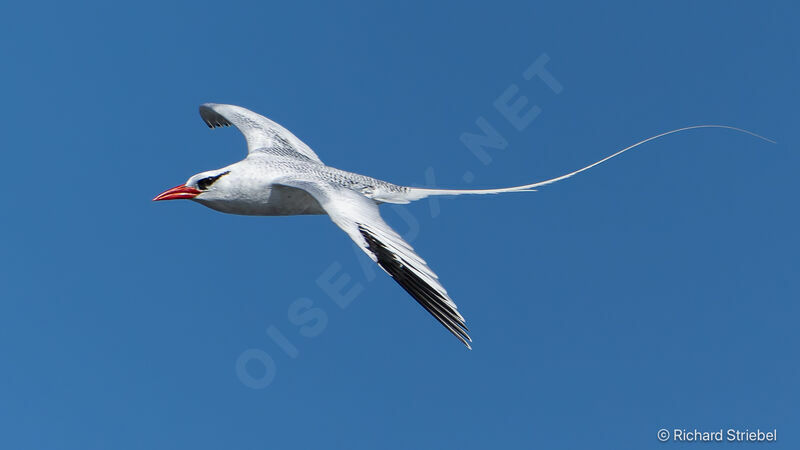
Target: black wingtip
428, 297
212, 118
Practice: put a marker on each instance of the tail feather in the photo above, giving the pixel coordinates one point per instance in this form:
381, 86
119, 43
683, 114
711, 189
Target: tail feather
420, 193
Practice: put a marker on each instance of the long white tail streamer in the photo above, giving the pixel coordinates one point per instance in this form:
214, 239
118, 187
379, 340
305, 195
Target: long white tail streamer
420, 193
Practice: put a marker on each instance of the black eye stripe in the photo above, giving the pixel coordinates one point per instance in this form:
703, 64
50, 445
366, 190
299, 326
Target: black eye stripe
204, 183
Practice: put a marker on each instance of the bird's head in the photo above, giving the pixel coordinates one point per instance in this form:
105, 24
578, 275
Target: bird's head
210, 185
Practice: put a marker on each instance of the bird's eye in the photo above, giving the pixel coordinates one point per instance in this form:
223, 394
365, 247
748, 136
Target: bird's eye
205, 183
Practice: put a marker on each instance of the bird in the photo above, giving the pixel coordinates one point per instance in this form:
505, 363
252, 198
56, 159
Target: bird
282, 176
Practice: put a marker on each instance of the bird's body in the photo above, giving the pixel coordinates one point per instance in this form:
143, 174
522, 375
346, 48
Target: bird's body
282, 176
262, 173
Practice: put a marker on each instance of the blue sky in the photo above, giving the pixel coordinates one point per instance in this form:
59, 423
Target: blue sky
659, 290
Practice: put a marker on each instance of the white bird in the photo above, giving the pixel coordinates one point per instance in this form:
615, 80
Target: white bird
282, 176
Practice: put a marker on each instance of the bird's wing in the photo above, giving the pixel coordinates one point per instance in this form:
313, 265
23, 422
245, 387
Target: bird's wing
262, 134
360, 218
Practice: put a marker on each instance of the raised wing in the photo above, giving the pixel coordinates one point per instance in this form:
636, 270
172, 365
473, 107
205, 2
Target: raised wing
261, 133
360, 218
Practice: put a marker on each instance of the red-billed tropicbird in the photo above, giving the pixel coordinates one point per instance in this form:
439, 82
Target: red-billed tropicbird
282, 176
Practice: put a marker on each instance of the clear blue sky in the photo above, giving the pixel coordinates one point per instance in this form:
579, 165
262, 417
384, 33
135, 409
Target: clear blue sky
659, 290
